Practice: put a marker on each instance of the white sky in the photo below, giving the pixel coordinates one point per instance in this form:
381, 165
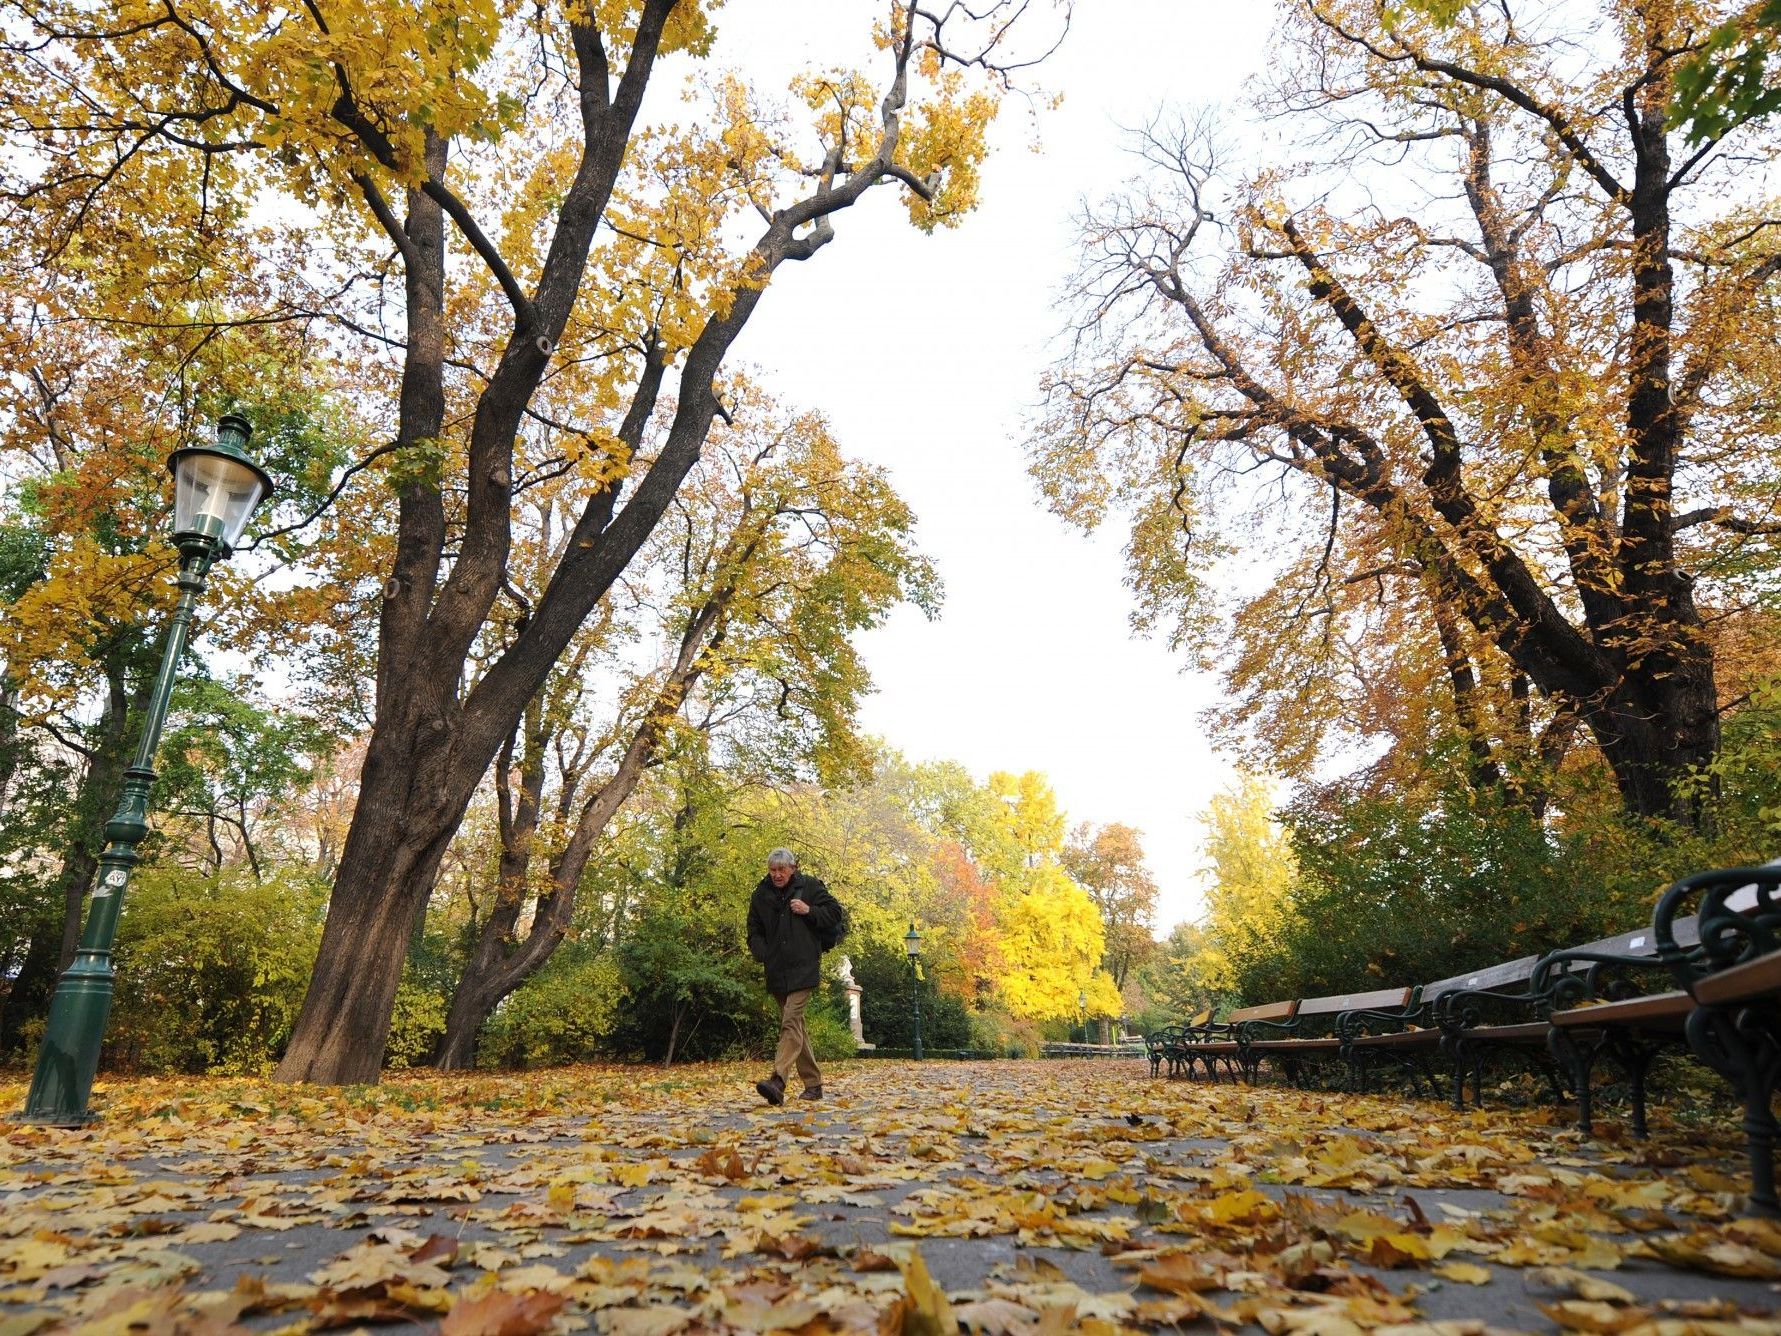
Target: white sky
926, 354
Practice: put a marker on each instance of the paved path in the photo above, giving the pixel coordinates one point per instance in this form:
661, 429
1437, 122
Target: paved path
1032, 1197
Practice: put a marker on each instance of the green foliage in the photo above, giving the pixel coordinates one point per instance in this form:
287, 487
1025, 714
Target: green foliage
887, 1004
830, 1038
1726, 82
211, 971
561, 1014
416, 1024
1403, 888
1745, 783
1729, 81
691, 990
226, 762
996, 1031
1187, 975
1404, 885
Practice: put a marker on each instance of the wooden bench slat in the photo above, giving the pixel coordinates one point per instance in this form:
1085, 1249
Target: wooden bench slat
1324, 1042
1656, 1007
1384, 999
1740, 983
1514, 971
1268, 1011
1500, 1034
1399, 1039
1635, 942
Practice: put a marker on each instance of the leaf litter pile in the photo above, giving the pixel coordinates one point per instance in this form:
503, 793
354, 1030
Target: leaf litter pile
1013, 1197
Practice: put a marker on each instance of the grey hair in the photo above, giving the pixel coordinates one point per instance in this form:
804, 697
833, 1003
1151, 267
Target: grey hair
782, 858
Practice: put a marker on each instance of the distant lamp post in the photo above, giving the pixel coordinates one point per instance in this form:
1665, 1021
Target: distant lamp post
216, 490
912, 948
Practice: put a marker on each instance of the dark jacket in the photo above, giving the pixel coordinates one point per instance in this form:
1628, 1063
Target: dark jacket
786, 943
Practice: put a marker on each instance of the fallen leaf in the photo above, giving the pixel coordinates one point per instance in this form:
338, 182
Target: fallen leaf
503, 1313
927, 1312
1592, 1316
661, 1321
1466, 1273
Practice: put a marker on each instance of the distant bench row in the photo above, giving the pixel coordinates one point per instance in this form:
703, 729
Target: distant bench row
1705, 975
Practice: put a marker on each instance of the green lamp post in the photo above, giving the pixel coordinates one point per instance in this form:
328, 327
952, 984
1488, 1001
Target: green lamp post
912, 948
216, 490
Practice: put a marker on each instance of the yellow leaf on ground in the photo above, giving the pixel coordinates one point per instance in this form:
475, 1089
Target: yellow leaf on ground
927, 1312
1591, 1316
662, 1321
1466, 1273
503, 1313
1707, 1252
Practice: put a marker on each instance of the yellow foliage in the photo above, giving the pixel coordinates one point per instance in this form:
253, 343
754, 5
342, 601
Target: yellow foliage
1052, 941
50, 634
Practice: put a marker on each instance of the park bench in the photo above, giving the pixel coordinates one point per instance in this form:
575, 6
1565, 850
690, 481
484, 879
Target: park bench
1313, 1031
1709, 978
1217, 1042
1602, 996
1732, 975
1563, 1012
1166, 1044
1409, 1037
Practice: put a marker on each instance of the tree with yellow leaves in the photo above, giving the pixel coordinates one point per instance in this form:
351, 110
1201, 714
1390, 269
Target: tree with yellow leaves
776, 551
518, 271
1492, 367
1249, 903
1108, 862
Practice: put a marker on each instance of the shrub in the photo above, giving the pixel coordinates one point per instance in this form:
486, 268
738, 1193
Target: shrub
561, 1014
211, 970
416, 1024
887, 1004
829, 1036
995, 1031
691, 990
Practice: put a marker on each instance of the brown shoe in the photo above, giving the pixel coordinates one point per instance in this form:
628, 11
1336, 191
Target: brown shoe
811, 1092
772, 1089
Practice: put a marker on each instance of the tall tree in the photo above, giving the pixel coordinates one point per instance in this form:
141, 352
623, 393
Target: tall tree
1248, 908
1517, 387
1108, 862
512, 134
774, 554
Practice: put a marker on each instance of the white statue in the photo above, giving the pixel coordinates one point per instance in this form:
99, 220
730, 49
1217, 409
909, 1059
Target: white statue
844, 972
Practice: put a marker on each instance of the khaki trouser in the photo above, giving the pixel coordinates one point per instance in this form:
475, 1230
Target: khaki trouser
794, 1044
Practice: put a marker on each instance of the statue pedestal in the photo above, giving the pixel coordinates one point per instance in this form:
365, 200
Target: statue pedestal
853, 1015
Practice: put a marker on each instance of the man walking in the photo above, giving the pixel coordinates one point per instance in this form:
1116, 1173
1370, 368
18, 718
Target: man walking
789, 918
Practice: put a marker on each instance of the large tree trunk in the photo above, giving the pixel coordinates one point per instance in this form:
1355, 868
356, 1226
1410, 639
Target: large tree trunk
408, 803
1655, 734
430, 746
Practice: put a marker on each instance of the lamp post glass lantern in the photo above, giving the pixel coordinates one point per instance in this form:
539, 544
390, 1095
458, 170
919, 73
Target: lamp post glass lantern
912, 948
216, 488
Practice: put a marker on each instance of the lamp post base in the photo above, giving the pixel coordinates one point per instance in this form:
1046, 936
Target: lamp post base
69, 1058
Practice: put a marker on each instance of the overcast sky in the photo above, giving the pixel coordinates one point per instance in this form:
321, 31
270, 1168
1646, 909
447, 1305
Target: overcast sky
926, 354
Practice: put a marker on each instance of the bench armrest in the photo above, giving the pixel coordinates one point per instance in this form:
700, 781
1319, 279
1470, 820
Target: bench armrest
1459, 1009
1738, 919
1557, 978
1198, 1034
1354, 1024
